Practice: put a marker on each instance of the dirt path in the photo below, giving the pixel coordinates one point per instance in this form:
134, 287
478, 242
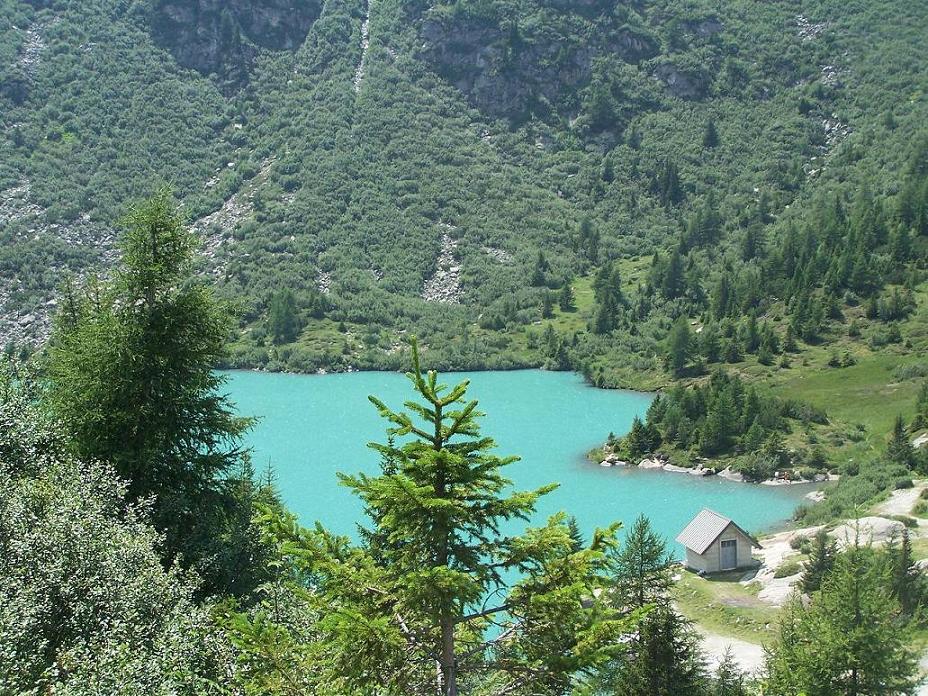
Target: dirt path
748, 656
777, 549
902, 501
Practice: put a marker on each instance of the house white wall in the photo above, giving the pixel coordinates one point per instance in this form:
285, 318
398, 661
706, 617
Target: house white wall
711, 560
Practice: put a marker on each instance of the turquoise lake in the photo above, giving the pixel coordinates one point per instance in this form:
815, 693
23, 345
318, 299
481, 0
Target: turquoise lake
312, 426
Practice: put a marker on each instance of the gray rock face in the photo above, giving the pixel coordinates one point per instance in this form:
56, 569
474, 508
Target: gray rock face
445, 284
222, 37
682, 84
505, 72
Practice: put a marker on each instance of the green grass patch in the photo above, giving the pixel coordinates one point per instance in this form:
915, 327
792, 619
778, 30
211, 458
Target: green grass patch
722, 605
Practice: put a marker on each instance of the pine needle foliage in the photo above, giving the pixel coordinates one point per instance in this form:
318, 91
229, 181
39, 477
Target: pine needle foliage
132, 378
440, 514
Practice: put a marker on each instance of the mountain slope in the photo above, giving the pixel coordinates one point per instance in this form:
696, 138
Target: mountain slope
462, 141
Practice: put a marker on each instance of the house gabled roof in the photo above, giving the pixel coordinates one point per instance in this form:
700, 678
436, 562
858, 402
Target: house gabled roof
705, 528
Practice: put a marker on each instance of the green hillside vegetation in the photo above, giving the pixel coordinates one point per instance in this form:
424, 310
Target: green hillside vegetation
678, 196
361, 187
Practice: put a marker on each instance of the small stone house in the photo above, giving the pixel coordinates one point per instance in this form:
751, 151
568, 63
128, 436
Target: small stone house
715, 544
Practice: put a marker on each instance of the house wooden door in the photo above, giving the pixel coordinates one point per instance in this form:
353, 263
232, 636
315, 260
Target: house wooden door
729, 554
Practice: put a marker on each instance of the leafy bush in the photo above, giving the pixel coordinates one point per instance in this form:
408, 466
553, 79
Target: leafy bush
787, 569
906, 520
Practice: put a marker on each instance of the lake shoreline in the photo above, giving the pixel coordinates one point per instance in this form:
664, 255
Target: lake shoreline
310, 427
661, 462
595, 455
352, 369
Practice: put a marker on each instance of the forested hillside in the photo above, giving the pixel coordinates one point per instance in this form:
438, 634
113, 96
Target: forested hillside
413, 188
645, 192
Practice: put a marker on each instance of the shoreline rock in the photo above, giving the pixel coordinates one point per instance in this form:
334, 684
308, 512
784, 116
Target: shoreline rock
736, 476
662, 462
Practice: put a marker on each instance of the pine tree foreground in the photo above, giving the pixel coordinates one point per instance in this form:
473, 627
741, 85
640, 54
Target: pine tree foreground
439, 597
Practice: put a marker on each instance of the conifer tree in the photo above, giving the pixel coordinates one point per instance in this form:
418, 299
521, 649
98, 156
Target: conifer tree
710, 138
131, 372
565, 298
607, 291
906, 581
445, 503
921, 407
664, 660
283, 320
576, 535
822, 556
547, 305
673, 283
728, 679
641, 568
679, 346
849, 642
709, 345
900, 450
721, 419
667, 184
540, 269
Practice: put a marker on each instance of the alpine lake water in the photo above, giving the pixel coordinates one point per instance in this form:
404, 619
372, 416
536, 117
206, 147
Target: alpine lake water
312, 426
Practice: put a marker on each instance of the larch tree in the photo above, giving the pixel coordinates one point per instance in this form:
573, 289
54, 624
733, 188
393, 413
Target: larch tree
132, 379
641, 568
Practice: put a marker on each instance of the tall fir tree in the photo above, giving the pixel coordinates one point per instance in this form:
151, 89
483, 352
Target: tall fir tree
445, 502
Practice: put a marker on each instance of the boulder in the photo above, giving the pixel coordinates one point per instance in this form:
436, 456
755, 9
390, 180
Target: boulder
875, 530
